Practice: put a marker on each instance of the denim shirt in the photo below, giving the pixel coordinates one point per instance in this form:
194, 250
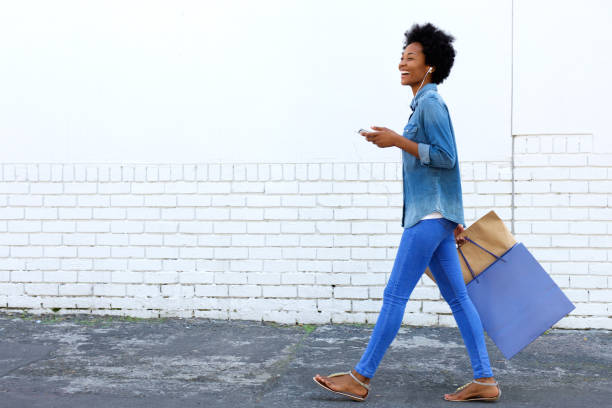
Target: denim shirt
431, 182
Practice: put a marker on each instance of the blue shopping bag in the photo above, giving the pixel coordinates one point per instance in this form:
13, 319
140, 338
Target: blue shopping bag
516, 299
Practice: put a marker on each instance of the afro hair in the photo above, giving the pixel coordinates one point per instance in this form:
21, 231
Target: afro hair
437, 47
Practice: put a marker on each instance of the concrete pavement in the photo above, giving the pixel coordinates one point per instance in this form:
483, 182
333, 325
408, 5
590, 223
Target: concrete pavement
108, 361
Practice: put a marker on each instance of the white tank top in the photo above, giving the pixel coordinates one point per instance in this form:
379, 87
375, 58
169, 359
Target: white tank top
434, 214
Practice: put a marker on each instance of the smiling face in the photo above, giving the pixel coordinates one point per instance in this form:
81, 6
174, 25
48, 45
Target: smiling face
412, 66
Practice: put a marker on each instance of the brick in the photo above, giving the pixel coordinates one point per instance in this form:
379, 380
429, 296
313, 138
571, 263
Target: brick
42, 188
298, 201
297, 278
348, 292
600, 295
284, 187
60, 276
162, 277
280, 214
569, 186
279, 291
41, 289
160, 201
315, 213
348, 187
255, 227
532, 187
144, 264
109, 289
245, 214
244, 290
75, 289
330, 227
591, 282
12, 289
267, 278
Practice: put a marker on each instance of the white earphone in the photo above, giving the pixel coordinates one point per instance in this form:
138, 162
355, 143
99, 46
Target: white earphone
429, 70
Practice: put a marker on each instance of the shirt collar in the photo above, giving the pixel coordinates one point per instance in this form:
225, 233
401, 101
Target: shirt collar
424, 89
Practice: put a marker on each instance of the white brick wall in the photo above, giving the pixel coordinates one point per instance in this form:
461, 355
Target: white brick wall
307, 243
563, 214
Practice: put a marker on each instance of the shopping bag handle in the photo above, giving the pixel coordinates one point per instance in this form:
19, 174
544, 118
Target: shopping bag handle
484, 249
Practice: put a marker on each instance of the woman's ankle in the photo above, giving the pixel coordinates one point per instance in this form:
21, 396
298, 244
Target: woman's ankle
360, 377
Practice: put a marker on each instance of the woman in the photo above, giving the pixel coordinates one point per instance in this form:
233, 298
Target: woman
432, 219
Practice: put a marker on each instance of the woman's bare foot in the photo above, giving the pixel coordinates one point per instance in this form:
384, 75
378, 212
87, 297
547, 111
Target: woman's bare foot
345, 383
475, 390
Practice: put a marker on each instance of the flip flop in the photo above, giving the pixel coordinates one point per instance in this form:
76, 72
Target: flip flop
348, 394
492, 399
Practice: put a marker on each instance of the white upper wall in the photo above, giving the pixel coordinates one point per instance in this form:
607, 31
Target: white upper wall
562, 60
272, 81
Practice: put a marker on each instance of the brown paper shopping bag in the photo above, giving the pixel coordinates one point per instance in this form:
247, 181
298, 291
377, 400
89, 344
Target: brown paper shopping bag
490, 232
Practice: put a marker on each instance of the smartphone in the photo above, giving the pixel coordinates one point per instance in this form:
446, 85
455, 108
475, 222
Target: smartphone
361, 130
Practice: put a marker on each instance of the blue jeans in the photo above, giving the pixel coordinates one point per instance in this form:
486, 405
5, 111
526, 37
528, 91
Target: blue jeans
428, 242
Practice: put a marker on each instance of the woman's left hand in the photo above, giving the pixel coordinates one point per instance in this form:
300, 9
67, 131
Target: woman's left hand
458, 230
381, 136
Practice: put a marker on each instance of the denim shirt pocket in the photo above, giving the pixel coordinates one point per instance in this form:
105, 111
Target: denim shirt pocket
411, 131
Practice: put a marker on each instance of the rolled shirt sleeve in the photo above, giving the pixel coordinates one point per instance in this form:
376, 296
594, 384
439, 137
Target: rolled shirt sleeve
441, 151
423, 149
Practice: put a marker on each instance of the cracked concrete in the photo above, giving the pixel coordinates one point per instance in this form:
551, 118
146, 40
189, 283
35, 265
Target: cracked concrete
97, 361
